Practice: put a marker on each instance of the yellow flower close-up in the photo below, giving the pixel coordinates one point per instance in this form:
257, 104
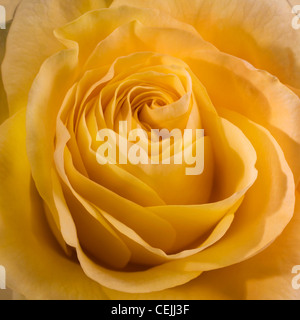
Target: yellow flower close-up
92, 208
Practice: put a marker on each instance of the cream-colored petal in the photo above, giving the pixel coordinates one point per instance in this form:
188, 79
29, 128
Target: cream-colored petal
258, 31
100, 23
31, 41
135, 37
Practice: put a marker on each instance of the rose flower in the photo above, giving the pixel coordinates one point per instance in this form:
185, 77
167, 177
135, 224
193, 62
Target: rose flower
85, 213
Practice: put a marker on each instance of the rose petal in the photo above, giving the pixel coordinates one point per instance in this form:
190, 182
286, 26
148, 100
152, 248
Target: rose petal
142, 30
145, 255
263, 29
100, 23
58, 70
93, 232
36, 266
31, 41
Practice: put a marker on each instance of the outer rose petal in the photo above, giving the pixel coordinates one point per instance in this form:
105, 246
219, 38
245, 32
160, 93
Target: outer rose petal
31, 41
265, 276
257, 31
36, 266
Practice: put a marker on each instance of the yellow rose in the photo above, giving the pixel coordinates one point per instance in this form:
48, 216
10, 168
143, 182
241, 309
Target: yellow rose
74, 228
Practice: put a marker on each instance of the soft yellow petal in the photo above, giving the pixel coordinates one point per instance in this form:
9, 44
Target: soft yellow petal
142, 30
158, 278
258, 31
44, 101
95, 235
234, 84
31, 41
145, 255
101, 23
36, 266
